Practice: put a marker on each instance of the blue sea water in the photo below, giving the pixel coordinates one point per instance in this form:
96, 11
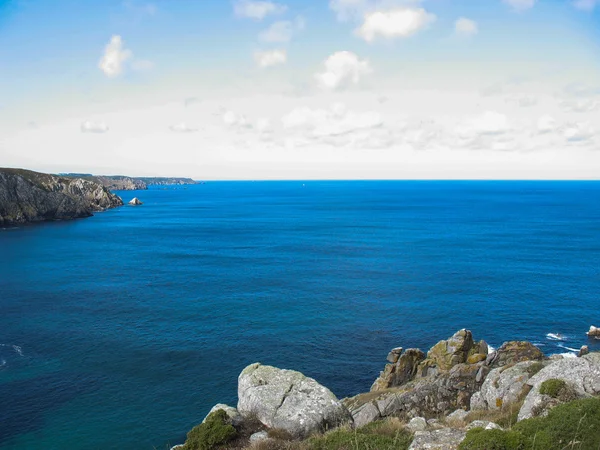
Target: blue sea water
122, 330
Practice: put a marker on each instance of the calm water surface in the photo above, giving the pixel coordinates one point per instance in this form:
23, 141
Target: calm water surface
122, 330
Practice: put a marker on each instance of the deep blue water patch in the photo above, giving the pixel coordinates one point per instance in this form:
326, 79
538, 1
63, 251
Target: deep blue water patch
130, 325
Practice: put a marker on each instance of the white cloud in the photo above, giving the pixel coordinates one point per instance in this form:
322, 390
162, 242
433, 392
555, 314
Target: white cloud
232, 119
546, 124
348, 9
115, 55
93, 127
257, 10
343, 69
475, 131
270, 58
466, 27
586, 5
520, 5
395, 23
263, 125
183, 128
578, 132
337, 126
581, 105
282, 31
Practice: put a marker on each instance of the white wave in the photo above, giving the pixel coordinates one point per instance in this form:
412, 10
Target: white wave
18, 350
556, 337
491, 349
568, 348
568, 355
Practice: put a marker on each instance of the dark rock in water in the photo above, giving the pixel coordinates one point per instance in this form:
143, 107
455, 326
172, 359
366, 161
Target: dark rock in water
27, 196
594, 332
135, 202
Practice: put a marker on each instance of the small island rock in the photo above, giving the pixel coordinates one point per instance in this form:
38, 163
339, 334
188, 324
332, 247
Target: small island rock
135, 202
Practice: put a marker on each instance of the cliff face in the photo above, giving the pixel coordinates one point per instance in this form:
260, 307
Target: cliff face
160, 181
112, 182
27, 196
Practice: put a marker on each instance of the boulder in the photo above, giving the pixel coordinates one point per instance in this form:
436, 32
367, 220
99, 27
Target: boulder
417, 424
503, 386
367, 413
460, 415
581, 374
516, 351
288, 400
233, 414
485, 424
442, 439
260, 436
135, 202
403, 371
584, 350
594, 331
446, 354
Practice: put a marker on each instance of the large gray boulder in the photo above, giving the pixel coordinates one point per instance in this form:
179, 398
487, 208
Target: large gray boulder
288, 400
581, 374
503, 386
442, 439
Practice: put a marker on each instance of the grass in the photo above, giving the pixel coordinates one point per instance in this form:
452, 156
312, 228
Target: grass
506, 417
570, 426
213, 434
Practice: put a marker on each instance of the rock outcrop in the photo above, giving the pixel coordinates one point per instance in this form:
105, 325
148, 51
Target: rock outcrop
27, 196
594, 332
288, 400
442, 439
513, 352
135, 202
582, 375
504, 386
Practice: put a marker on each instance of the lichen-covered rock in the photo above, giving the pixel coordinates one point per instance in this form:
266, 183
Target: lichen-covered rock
394, 355
514, 352
367, 413
234, 416
442, 439
457, 416
403, 371
259, 436
446, 354
503, 386
417, 424
581, 374
288, 400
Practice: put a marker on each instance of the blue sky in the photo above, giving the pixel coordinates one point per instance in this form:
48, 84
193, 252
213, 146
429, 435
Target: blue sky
302, 89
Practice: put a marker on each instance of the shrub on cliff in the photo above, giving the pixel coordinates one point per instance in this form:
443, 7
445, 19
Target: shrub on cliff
381, 435
213, 434
574, 425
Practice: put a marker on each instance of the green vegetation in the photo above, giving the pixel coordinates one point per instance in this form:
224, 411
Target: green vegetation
506, 416
382, 435
570, 426
534, 368
552, 387
212, 434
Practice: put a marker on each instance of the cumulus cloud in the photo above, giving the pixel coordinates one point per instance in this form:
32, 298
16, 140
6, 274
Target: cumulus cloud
394, 23
231, 119
343, 69
520, 5
336, 126
257, 10
282, 31
546, 124
578, 132
466, 27
581, 105
586, 5
270, 58
490, 122
114, 58
89, 126
182, 128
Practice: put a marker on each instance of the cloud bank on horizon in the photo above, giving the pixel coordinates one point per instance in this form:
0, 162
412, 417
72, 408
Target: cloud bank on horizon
303, 89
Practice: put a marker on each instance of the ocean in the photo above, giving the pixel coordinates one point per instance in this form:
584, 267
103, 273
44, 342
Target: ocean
122, 330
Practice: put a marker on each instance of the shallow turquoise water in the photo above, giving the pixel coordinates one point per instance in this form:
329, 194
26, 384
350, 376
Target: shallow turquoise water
130, 325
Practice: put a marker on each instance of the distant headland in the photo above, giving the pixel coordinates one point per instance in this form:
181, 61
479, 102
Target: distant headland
27, 196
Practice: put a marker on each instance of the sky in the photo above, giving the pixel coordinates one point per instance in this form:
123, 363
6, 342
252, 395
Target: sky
302, 89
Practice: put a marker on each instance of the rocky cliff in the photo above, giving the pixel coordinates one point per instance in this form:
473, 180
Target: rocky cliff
460, 395
125, 183
27, 196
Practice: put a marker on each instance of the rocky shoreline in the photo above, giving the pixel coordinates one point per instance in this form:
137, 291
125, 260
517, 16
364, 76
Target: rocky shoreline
27, 197
125, 183
433, 397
